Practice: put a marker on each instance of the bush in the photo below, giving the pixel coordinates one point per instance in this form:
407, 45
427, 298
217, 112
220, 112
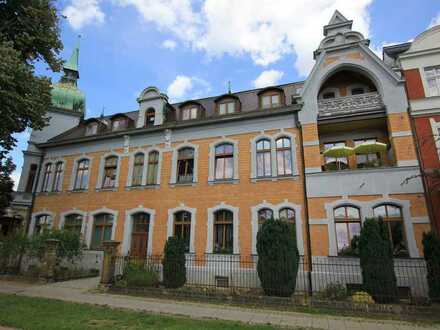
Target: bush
11, 248
431, 251
137, 275
333, 291
361, 297
174, 268
376, 259
278, 258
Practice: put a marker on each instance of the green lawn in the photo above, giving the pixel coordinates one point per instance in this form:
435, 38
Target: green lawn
46, 314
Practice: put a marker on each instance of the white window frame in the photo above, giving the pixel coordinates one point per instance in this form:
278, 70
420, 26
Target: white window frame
435, 125
437, 77
74, 170
34, 220
235, 228
128, 228
211, 169
63, 216
170, 224
99, 183
173, 176
91, 222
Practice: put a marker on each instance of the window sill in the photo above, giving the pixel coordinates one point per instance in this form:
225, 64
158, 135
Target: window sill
275, 178
107, 189
48, 193
229, 181
77, 191
183, 184
148, 186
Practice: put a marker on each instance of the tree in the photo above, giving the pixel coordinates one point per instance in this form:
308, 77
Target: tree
29, 32
6, 183
278, 258
376, 259
174, 269
431, 251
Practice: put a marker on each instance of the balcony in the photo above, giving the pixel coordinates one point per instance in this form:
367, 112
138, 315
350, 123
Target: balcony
348, 105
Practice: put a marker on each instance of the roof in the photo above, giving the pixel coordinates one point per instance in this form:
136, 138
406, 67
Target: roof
249, 104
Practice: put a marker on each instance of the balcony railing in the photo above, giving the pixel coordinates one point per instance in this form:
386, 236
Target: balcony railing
350, 104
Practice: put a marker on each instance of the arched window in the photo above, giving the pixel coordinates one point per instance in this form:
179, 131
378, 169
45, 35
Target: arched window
264, 166
153, 167
139, 234
149, 117
347, 226
185, 165
393, 218
31, 178
138, 169
46, 177
102, 229
263, 215
82, 175
224, 161
223, 232
288, 215
110, 172
57, 183
43, 223
73, 223
284, 156
182, 227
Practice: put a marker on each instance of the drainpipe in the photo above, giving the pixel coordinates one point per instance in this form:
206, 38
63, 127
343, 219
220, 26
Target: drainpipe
306, 208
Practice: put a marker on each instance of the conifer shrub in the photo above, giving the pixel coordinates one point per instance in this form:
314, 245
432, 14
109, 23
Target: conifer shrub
431, 251
278, 258
174, 269
376, 259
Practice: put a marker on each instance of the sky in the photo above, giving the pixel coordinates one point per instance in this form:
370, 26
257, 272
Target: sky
193, 48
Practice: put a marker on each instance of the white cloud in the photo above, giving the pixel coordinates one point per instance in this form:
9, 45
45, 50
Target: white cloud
187, 87
169, 44
268, 78
83, 12
15, 176
264, 29
435, 21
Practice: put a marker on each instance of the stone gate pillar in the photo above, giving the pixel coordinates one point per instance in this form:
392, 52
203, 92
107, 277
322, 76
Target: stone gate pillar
50, 260
108, 263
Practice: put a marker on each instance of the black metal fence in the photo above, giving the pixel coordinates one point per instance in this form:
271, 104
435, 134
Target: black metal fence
327, 278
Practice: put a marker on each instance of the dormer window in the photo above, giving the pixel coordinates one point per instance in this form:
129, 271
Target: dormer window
119, 124
189, 112
149, 117
92, 129
271, 99
226, 107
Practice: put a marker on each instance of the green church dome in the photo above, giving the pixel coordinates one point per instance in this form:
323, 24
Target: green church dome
65, 94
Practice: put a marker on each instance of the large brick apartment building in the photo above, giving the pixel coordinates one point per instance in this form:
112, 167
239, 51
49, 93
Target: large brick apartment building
212, 170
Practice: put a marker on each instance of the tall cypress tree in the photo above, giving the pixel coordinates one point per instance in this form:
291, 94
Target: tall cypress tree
431, 251
376, 258
278, 258
174, 268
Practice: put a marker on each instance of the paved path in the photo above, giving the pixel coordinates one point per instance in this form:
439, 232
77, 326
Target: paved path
81, 291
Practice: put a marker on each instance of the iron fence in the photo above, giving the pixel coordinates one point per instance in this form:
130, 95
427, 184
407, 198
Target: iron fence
328, 278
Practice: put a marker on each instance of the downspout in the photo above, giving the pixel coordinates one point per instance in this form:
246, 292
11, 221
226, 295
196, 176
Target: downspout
306, 208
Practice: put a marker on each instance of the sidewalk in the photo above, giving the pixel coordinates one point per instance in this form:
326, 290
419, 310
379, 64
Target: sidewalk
80, 291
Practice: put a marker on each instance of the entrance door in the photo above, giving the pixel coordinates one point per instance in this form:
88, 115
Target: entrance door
139, 235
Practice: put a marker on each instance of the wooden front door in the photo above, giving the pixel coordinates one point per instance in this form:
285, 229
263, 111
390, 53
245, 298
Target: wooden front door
139, 244
139, 235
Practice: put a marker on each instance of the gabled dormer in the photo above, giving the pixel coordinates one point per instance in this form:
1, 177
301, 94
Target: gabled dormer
152, 107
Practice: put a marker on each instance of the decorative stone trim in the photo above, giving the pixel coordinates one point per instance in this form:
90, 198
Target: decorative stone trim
210, 227
128, 228
91, 222
401, 133
99, 182
420, 220
276, 209
170, 224
173, 176
212, 146
74, 172
435, 125
313, 170
318, 221
34, 219
146, 153
407, 163
52, 175
311, 143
